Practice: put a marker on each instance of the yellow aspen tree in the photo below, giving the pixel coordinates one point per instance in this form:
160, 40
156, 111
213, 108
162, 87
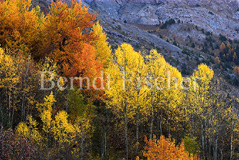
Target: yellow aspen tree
231, 114
8, 85
228, 45
199, 90
103, 49
65, 133
172, 98
156, 69
30, 131
19, 82
234, 56
139, 94
165, 90
57, 127
125, 96
46, 113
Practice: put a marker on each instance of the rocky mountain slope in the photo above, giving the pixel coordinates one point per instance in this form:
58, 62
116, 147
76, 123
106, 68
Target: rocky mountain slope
185, 43
217, 16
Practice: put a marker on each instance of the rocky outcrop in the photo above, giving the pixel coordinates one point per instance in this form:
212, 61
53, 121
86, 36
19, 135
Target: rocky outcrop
217, 16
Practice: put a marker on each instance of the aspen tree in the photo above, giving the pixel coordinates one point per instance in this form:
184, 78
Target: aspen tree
126, 96
200, 89
165, 91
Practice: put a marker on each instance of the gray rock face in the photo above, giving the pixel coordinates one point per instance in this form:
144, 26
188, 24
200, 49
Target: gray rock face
217, 16
236, 15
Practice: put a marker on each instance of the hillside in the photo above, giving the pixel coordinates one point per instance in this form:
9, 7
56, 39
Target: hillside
194, 36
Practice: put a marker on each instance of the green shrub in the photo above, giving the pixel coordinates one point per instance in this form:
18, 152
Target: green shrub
222, 38
193, 45
211, 13
191, 145
168, 22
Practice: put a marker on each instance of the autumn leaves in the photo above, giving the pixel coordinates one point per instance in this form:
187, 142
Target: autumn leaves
141, 95
127, 66
66, 34
166, 149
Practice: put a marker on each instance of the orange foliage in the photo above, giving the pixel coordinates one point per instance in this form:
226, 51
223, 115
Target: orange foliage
165, 149
222, 47
217, 60
236, 70
18, 25
68, 40
64, 35
234, 56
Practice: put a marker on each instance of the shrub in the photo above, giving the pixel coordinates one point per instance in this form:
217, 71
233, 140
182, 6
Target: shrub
211, 13
165, 148
193, 45
185, 51
222, 38
168, 22
191, 145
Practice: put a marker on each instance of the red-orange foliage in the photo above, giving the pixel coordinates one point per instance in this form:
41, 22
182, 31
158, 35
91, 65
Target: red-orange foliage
68, 40
165, 149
